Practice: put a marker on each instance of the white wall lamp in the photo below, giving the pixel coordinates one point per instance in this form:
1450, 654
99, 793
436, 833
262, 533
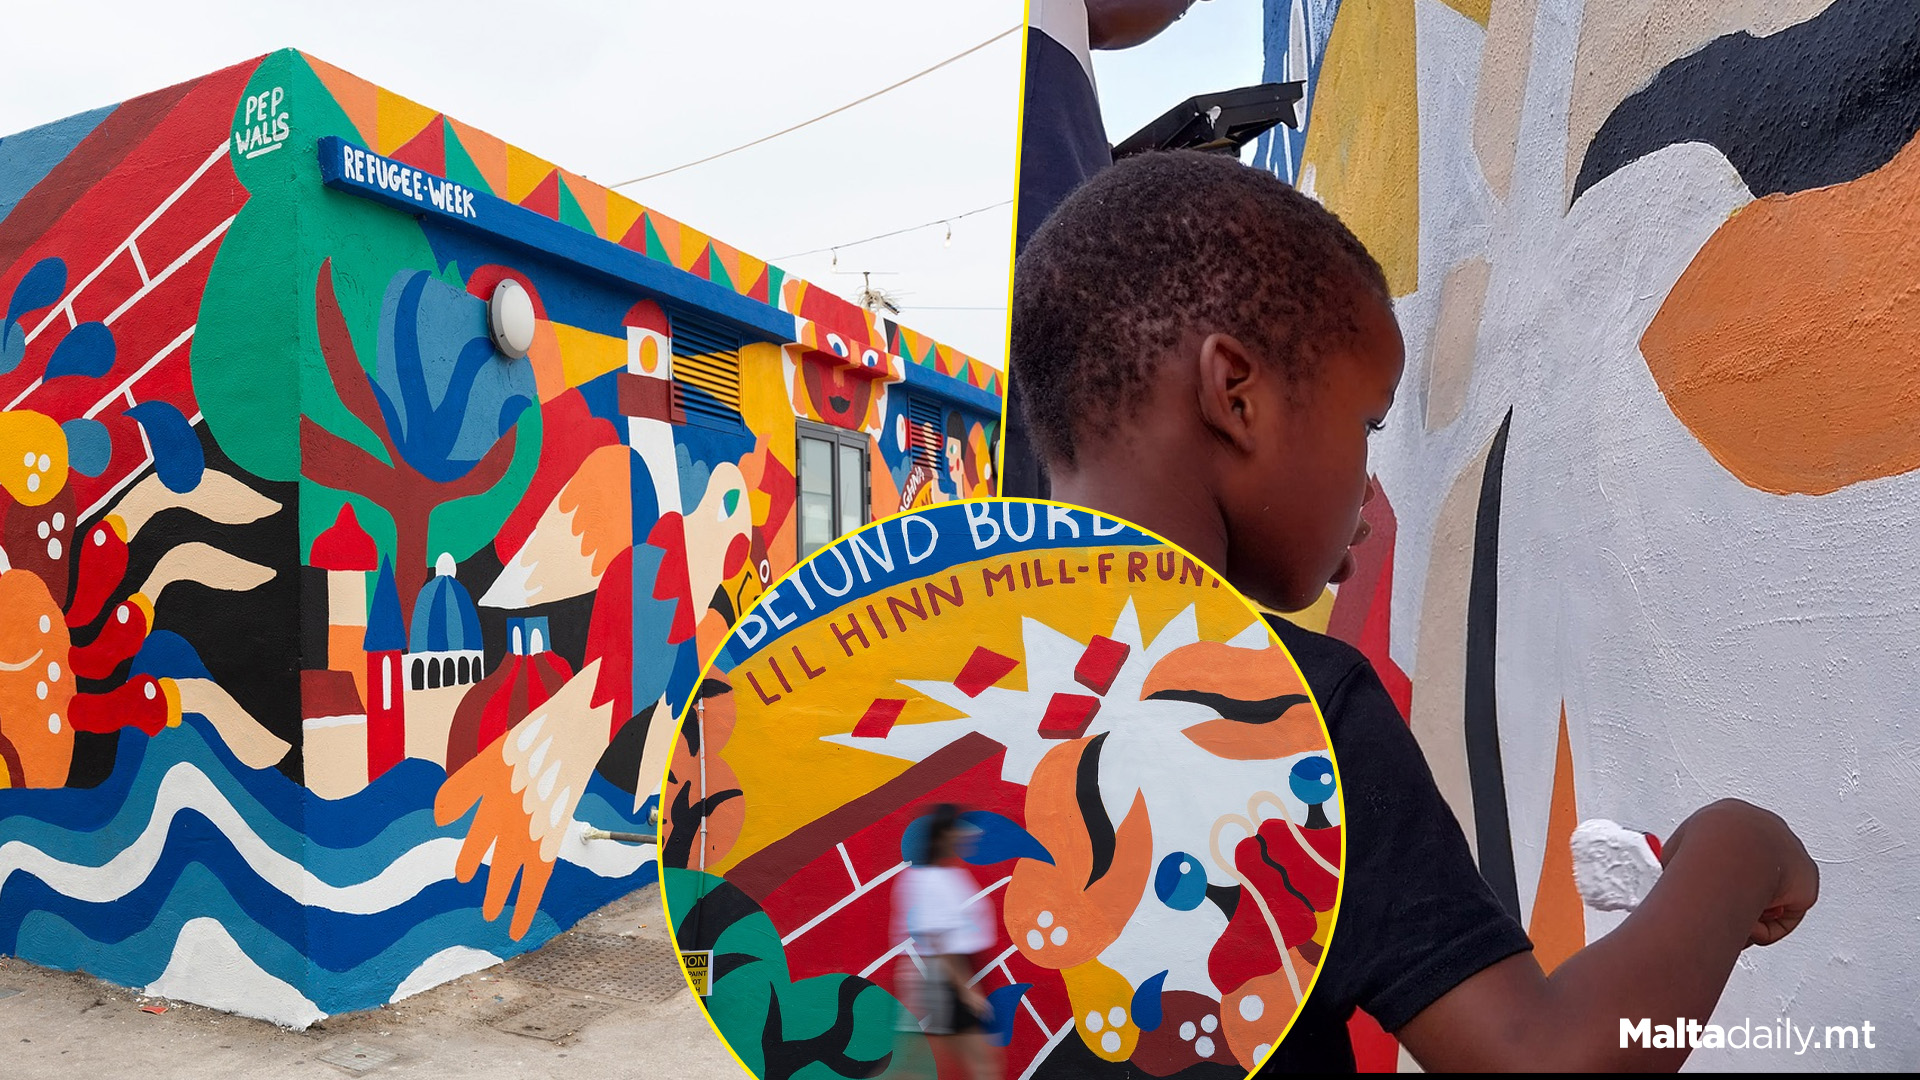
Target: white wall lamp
511, 318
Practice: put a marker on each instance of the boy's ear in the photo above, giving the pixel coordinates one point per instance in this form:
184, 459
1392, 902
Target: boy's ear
1226, 378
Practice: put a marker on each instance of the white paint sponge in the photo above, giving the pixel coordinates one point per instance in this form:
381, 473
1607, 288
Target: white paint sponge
1614, 867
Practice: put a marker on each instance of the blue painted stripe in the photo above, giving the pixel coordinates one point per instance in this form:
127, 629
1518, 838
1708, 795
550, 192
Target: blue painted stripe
359, 171
925, 380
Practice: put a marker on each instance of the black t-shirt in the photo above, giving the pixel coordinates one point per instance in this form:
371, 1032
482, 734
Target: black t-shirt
1062, 143
1416, 918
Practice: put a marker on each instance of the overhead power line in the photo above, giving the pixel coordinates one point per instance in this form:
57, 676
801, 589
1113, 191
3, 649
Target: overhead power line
949, 219
824, 115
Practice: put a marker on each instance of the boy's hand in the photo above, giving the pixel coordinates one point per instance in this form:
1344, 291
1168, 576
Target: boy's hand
1762, 836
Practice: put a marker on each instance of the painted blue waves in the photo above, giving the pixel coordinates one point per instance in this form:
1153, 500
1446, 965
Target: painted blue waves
255, 878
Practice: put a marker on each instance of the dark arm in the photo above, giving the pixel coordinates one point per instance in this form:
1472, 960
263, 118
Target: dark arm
1735, 875
1122, 24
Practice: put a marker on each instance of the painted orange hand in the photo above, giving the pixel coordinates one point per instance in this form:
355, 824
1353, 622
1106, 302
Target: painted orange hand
526, 784
501, 824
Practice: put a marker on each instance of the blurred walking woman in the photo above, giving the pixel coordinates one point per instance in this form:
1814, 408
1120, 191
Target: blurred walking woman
933, 903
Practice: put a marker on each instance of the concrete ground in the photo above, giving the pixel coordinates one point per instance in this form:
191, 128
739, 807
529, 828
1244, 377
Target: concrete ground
604, 999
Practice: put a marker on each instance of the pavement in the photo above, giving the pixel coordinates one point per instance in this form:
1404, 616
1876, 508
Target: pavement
604, 999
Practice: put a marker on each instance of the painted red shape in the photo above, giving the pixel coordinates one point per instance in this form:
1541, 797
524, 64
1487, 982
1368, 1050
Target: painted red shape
610, 640
1245, 950
545, 197
1100, 664
386, 712
984, 668
345, 545
1653, 843
569, 434
139, 704
1374, 1051
670, 580
120, 637
103, 564
1068, 715
879, 718
1362, 610
427, 150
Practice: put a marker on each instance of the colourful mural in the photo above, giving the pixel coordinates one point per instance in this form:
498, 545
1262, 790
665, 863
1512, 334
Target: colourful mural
1651, 449
327, 627
1158, 826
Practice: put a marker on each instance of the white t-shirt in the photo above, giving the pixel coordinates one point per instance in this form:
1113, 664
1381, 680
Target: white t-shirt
934, 905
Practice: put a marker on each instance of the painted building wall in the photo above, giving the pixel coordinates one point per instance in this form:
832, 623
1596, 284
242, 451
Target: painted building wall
1648, 474
1160, 834
309, 598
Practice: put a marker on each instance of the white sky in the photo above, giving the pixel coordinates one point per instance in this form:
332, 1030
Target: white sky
615, 89
1217, 46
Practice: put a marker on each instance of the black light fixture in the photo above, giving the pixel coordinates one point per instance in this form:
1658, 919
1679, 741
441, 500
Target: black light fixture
1219, 123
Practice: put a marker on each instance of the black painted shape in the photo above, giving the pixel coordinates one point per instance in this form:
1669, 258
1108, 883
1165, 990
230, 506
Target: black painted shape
1486, 775
1086, 790
1286, 879
1224, 897
1265, 711
685, 816
620, 764
785, 1058
249, 641
712, 915
1820, 103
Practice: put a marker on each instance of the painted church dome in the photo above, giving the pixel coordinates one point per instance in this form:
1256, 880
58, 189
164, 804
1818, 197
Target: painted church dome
444, 618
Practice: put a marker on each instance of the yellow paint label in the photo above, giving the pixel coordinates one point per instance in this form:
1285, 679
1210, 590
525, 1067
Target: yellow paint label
697, 965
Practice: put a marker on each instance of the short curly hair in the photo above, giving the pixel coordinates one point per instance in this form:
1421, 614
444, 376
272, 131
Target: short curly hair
1159, 246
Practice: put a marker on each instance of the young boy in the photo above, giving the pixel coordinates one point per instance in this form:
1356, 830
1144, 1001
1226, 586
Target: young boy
1204, 351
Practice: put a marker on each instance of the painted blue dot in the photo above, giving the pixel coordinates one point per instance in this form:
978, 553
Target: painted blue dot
1312, 780
1180, 883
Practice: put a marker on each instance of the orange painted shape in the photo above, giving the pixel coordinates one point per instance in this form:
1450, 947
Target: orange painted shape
400, 120
345, 652
692, 252
488, 153
357, 97
1294, 733
524, 173
1218, 668
668, 230
622, 215
1081, 920
592, 199
1790, 347
34, 699
1559, 923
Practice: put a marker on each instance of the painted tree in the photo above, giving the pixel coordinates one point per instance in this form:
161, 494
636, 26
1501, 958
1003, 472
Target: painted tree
442, 403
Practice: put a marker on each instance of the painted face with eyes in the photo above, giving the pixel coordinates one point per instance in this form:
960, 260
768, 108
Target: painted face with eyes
837, 395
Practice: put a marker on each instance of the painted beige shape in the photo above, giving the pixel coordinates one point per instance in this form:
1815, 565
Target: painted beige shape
552, 753
219, 498
655, 752
334, 754
204, 564
429, 719
1625, 43
1504, 60
1440, 665
1456, 334
253, 744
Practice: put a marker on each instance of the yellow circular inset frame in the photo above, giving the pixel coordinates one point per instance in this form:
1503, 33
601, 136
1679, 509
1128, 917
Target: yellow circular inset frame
1156, 817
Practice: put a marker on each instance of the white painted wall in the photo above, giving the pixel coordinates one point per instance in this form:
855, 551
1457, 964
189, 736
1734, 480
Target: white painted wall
1708, 639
